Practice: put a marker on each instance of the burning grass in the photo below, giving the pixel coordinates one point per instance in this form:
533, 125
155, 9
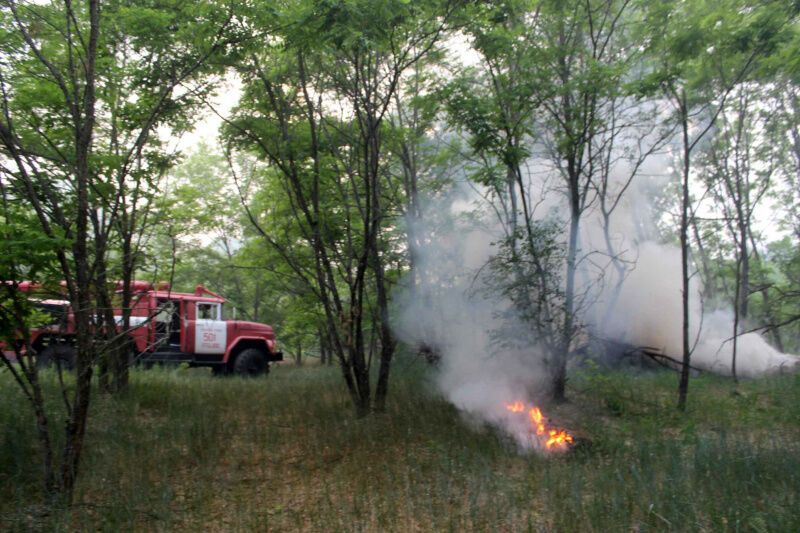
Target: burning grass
539, 433
188, 452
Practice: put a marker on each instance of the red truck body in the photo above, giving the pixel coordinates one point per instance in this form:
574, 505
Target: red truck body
170, 327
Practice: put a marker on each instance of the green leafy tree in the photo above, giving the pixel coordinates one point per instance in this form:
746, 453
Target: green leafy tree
738, 170
705, 50
59, 57
554, 77
84, 88
332, 169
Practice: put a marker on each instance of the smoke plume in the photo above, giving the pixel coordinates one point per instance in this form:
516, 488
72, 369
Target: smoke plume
649, 313
489, 355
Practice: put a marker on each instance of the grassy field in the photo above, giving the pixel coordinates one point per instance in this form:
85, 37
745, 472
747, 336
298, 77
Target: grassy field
185, 451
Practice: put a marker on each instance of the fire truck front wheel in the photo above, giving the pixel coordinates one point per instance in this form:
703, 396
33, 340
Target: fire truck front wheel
62, 354
250, 362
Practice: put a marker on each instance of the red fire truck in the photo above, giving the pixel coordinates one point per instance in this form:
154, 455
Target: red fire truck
166, 327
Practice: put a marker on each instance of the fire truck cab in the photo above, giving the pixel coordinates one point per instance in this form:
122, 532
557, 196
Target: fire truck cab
175, 327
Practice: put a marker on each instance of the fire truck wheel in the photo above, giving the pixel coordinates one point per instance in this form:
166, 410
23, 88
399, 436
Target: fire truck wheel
250, 362
57, 353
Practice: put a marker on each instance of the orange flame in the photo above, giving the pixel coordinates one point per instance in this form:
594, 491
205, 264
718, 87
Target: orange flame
557, 439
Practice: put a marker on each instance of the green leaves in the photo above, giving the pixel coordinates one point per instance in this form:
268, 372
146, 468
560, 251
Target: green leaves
25, 253
708, 44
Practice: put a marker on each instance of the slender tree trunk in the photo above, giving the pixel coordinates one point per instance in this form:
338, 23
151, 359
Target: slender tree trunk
82, 301
736, 317
709, 286
105, 329
43, 431
742, 285
560, 375
744, 252
323, 355
122, 361
373, 220
387, 341
683, 385
619, 267
768, 311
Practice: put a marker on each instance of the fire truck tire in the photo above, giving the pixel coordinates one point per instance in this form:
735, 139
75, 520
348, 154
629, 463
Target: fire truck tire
250, 362
61, 353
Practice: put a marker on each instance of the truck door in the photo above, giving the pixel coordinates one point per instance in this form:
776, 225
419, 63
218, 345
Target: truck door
167, 324
210, 332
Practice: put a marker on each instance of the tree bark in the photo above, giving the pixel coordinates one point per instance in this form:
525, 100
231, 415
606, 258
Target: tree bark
683, 384
82, 300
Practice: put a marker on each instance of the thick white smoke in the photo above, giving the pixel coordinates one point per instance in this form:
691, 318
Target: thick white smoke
647, 310
649, 313
489, 355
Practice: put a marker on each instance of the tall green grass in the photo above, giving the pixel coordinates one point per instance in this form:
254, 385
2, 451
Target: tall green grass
185, 451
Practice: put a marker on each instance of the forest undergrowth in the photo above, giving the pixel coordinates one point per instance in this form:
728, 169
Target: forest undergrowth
184, 451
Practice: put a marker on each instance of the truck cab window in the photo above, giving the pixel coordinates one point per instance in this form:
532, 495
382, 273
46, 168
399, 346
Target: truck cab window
208, 311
